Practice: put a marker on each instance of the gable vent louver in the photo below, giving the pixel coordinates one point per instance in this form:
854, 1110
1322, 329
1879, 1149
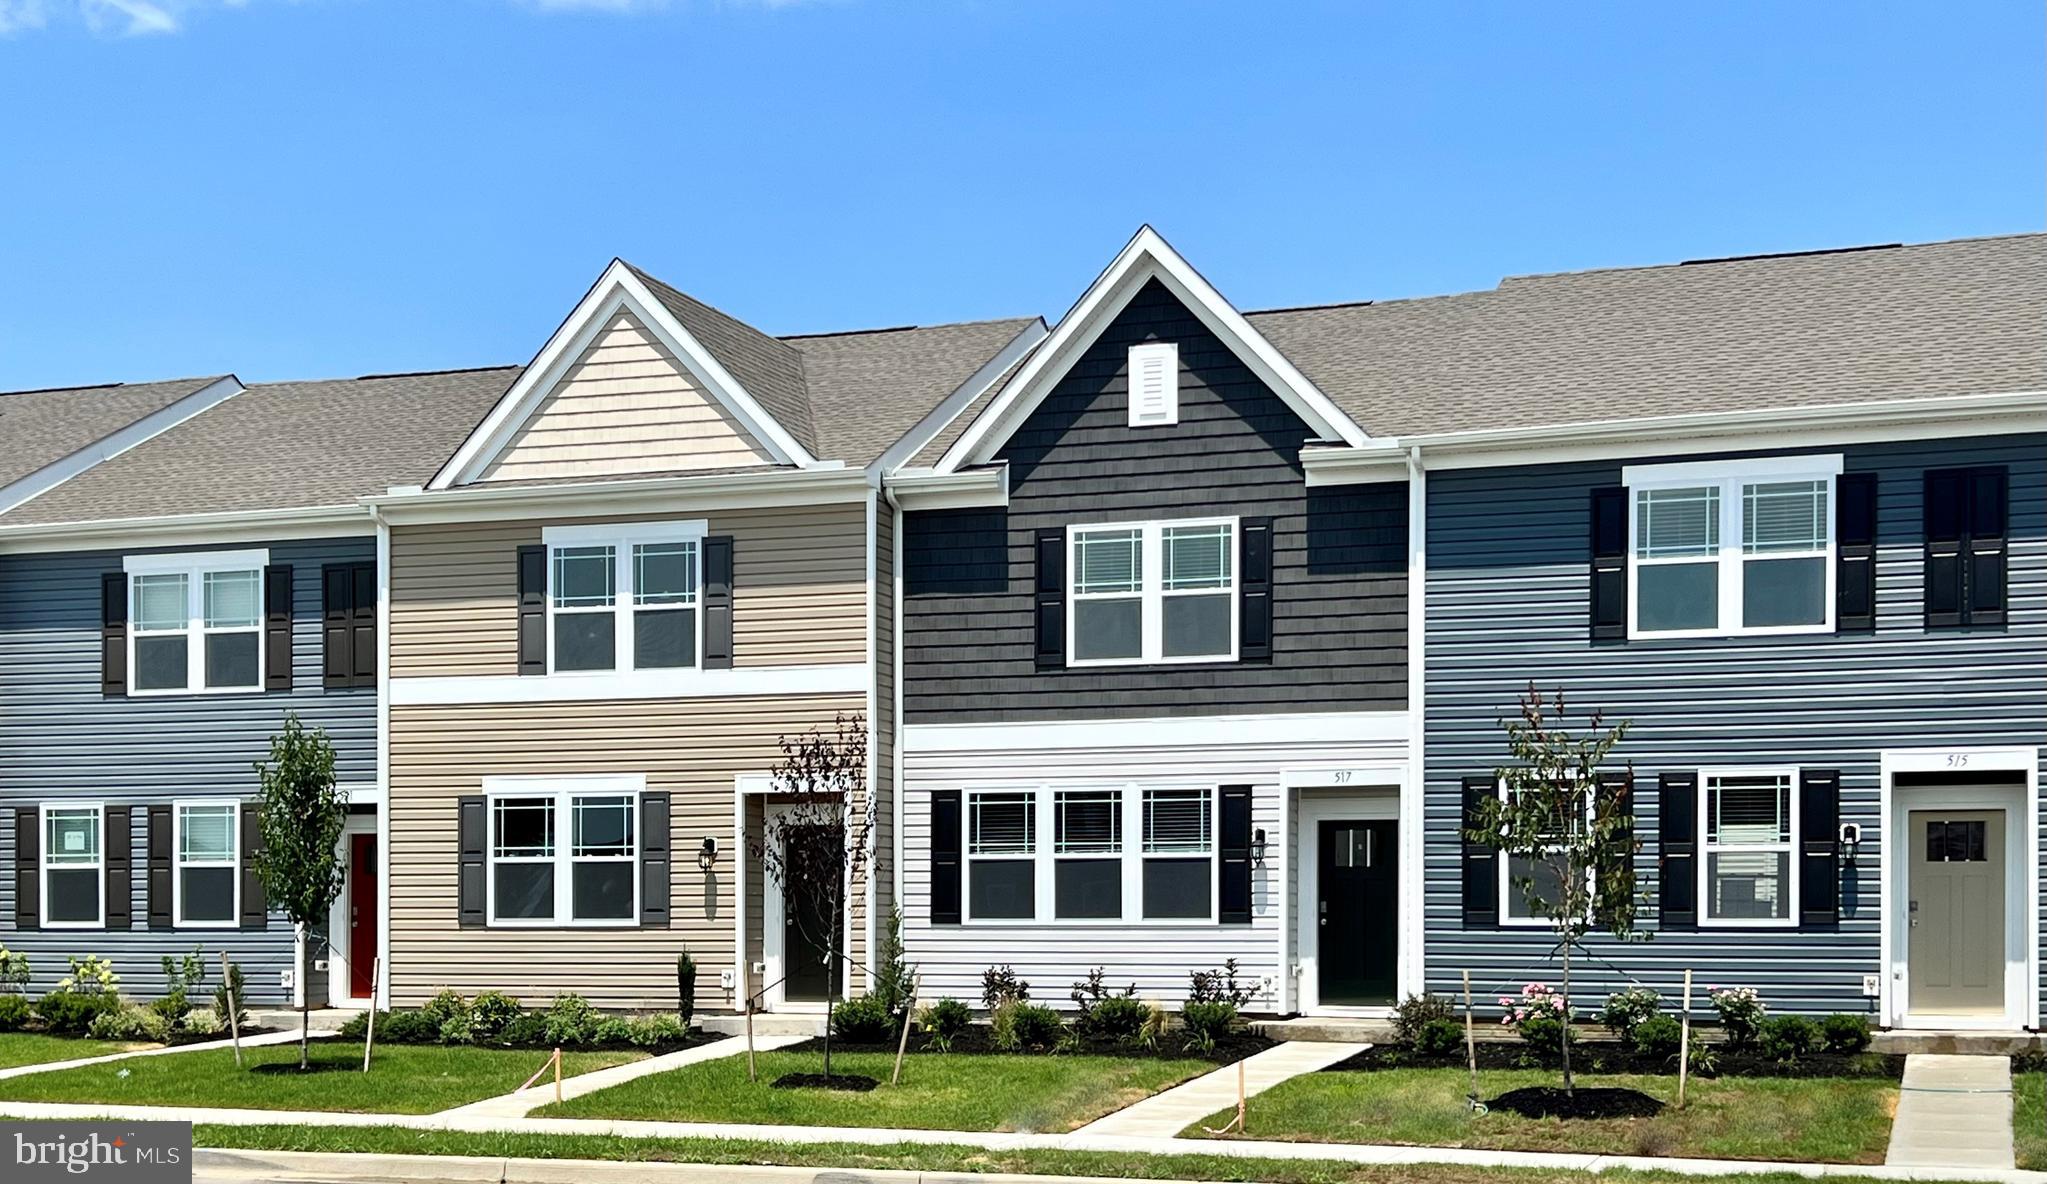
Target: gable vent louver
1154, 384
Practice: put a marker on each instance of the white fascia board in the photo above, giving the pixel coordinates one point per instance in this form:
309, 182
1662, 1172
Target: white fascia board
1775, 428
663, 495
976, 385
850, 678
189, 530
24, 489
1785, 468
617, 289
1146, 256
1381, 460
1362, 727
927, 489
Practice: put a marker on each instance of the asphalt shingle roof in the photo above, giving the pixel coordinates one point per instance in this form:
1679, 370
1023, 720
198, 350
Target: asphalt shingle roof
870, 388
39, 428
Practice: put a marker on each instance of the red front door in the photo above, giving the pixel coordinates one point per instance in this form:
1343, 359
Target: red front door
362, 915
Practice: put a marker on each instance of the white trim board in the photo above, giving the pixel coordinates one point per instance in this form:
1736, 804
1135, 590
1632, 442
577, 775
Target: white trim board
1369, 802
107, 447
824, 484
850, 678
189, 530
948, 409
616, 290
1145, 257
1362, 727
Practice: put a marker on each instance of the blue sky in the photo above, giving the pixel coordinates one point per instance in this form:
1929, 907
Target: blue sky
331, 187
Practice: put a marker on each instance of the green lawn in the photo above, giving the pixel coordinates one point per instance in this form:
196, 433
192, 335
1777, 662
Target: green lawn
956, 1092
33, 1048
1826, 1120
403, 1079
2029, 1120
911, 1157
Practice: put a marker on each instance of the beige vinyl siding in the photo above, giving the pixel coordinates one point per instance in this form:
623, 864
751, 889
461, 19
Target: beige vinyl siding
691, 749
626, 406
799, 595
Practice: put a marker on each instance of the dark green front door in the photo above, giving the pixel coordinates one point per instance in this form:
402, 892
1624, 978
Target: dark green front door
1357, 883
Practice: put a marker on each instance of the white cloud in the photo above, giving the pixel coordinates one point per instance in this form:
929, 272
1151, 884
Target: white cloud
143, 18
127, 18
17, 15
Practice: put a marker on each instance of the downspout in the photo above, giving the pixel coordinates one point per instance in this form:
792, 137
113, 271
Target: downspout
1413, 976
380, 990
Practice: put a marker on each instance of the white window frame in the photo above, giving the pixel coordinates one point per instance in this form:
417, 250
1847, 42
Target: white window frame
1706, 851
1131, 853
179, 863
624, 592
563, 791
99, 865
194, 566
1169, 352
1152, 592
1729, 477
1508, 896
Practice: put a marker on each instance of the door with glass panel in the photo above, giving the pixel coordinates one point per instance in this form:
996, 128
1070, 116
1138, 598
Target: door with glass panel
1357, 889
1954, 928
813, 855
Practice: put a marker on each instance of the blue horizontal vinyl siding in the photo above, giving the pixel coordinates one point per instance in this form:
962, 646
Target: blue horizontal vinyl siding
59, 739
1508, 553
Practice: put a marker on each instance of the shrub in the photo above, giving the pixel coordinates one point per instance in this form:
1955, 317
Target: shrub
1417, 1012
1440, 1038
892, 977
1626, 1010
407, 1027
528, 1029
1848, 1034
183, 976
72, 1012
90, 974
570, 1020
612, 1030
231, 993
1219, 986
656, 1031
1538, 1015
1152, 1032
1658, 1036
203, 1023
444, 1007
1019, 1025
943, 1022
14, 1012
685, 989
1117, 1018
14, 972
863, 1019
1787, 1037
456, 1029
490, 1012
1207, 1022
1741, 1013
355, 1026
130, 1024
999, 985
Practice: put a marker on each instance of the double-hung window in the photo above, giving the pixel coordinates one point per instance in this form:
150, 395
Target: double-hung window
1087, 853
1749, 834
624, 597
564, 856
1527, 879
1732, 547
207, 885
1179, 854
1152, 592
74, 866
1002, 848
195, 622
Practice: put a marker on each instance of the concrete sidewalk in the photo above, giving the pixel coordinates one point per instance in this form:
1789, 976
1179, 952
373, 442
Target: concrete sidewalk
1953, 1112
519, 1103
264, 1040
1167, 1114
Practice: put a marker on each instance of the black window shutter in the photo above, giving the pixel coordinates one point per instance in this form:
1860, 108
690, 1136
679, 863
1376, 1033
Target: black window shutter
1855, 553
157, 866
1618, 859
1254, 591
653, 861
718, 602
1235, 813
120, 861
1609, 563
1947, 493
363, 647
1481, 862
1985, 575
533, 609
255, 909
1050, 598
337, 625
1819, 826
277, 627
1677, 856
471, 816
945, 857
28, 868
114, 634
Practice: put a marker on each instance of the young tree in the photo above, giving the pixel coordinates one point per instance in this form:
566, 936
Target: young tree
301, 815
821, 840
1568, 824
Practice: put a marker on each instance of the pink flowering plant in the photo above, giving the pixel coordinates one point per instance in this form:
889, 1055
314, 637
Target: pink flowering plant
1539, 1015
1741, 1013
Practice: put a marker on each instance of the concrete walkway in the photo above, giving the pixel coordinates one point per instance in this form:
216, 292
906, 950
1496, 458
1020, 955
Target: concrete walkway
1953, 1112
1164, 1115
519, 1103
267, 1038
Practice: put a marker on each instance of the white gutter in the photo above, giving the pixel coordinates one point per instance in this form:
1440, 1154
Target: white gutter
175, 529
929, 489
826, 483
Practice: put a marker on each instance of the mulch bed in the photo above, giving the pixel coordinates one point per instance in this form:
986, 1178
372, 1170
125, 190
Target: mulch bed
1549, 1101
291, 1068
978, 1040
1601, 1056
850, 1082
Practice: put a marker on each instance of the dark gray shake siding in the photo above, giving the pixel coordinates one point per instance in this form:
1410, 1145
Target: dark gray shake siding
60, 739
1339, 554
1507, 603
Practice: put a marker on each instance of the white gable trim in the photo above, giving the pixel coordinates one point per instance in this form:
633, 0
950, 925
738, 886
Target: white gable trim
976, 385
107, 447
618, 289
1147, 256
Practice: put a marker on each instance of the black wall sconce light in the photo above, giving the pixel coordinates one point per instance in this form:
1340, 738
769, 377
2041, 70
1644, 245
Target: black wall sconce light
1257, 848
1851, 838
708, 853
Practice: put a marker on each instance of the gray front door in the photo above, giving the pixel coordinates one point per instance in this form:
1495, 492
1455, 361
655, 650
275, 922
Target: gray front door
1955, 911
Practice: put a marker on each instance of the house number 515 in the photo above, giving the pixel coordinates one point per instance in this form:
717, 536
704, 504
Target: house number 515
1958, 760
